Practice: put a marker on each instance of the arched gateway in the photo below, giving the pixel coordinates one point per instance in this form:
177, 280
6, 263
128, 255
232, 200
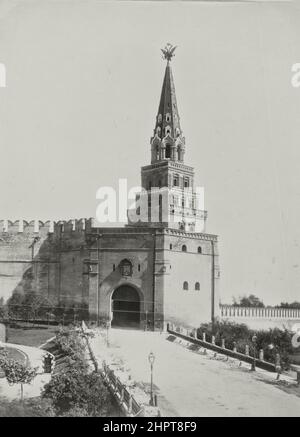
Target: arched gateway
126, 307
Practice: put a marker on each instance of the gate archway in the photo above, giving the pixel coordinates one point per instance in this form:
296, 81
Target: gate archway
126, 307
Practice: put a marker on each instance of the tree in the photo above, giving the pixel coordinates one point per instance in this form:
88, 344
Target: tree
3, 310
294, 304
248, 301
15, 305
18, 373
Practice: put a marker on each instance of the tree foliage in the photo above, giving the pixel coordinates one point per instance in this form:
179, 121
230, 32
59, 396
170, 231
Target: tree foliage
248, 301
239, 335
75, 391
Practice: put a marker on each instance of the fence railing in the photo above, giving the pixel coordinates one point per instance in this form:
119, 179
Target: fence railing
257, 360
125, 398
259, 312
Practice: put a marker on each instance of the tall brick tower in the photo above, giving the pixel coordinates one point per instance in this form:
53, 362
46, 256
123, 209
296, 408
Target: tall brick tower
177, 205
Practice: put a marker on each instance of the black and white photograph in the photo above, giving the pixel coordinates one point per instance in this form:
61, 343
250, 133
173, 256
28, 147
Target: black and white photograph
149, 211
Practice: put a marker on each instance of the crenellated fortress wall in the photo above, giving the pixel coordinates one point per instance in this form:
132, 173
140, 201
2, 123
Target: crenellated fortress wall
42, 256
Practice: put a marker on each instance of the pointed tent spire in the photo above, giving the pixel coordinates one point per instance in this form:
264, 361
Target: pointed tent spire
167, 116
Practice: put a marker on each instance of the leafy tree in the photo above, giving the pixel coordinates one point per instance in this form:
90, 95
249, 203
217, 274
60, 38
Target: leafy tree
248, 301
3, 310
15, 305
18, 373
294, 304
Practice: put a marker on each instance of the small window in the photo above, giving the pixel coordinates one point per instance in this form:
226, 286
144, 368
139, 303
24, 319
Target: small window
183, 248
197, 286
185, 285
171, 246
186, 183
168, 130
139, 267
168, 118
114, 267
199, 249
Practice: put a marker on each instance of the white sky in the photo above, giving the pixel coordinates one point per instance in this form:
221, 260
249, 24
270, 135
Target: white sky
83, 85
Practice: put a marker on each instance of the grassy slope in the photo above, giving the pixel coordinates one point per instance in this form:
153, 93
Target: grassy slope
29, 335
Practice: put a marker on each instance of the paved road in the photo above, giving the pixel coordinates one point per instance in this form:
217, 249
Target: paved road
195, 385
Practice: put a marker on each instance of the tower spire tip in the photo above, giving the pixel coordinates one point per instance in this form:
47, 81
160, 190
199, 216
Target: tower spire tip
168, 52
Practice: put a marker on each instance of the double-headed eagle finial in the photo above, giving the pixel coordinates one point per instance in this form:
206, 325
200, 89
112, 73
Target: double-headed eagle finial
168, 52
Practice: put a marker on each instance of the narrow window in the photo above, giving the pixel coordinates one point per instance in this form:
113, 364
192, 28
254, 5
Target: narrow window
199, 249
114, 267
183, 248
171, 246
197, 286
185, 285
168, 151
139, 267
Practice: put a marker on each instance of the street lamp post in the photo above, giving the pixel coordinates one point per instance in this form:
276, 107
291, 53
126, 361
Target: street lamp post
151, 359
253, 366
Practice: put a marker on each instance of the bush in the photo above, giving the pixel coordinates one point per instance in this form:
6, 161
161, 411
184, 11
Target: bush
34, 407
241, 335
73, 391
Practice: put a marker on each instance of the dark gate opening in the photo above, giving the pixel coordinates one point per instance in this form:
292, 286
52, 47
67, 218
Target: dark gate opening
126, 307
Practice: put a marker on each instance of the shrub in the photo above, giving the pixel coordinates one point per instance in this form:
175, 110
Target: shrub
241, 335
34, 407
73, 390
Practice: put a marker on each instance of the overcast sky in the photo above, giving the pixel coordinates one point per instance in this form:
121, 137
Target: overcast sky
83, 86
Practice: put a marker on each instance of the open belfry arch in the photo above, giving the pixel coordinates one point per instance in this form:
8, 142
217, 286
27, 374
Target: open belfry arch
141, 275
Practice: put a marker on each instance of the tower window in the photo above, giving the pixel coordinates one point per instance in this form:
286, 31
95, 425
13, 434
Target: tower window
197, 286
185, 285
168, 130
186, 183
168, 118
176, 181
171, 246
139, 267
183, 248
114, 267
199, 249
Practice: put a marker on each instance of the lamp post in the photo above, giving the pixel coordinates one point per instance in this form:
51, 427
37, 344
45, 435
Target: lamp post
253, 366
151, 359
